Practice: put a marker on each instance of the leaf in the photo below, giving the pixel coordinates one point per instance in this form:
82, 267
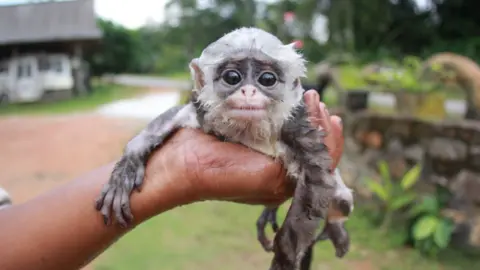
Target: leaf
425, 227
402, 201
385, 174
443, 233
411, 177
429, 204
378, 189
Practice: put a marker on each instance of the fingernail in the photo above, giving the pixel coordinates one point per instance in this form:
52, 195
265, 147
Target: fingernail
322, 106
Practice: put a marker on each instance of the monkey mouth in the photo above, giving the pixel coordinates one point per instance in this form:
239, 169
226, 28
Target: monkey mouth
247, 112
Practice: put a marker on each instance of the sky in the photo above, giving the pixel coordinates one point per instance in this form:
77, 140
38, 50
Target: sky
135, 13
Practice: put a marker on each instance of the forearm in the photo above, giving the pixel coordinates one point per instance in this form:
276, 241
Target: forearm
62, 230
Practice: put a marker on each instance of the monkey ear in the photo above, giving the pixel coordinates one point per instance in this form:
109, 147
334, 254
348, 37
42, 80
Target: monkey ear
197, 74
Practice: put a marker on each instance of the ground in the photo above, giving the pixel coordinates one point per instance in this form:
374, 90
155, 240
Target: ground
41, 152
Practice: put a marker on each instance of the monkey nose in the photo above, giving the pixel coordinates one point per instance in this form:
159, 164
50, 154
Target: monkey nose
249, 91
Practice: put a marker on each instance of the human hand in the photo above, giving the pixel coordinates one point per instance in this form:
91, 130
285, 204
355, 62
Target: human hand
209, 169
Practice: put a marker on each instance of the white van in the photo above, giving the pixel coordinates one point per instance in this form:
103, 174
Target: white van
28, 78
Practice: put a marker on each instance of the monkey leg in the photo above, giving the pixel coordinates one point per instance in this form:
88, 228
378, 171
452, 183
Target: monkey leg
307, 259
334, 229
268, 215
338, 235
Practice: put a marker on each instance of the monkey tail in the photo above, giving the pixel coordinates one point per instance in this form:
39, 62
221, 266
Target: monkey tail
307, 260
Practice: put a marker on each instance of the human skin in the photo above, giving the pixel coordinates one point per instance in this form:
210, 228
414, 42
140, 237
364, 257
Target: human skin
62, 230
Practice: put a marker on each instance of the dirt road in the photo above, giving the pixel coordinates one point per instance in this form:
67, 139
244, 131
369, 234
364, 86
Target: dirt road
39, 153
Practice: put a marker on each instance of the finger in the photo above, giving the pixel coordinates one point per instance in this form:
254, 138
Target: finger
320, 117
337, 134
325, 122
312, 101
326, 126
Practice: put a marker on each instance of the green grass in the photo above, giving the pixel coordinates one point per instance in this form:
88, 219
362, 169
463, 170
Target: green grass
103, 93
179, 75
219, 235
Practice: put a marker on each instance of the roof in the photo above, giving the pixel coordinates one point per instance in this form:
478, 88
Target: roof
48, 21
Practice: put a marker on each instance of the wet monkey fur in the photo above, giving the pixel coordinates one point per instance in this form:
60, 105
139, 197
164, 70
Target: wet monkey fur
247, 90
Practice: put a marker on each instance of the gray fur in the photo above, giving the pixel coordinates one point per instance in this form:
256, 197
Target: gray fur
128, 173
284, 133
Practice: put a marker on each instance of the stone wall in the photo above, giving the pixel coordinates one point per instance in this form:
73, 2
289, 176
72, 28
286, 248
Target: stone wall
449, 152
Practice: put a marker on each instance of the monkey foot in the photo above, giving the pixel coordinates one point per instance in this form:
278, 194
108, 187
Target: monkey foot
115, 195
338, 235
269, 215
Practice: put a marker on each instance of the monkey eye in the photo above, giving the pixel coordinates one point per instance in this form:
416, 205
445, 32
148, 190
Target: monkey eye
232, 77
267, 79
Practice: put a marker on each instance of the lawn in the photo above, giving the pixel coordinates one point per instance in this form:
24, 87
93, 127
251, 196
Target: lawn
103, 93
219, 235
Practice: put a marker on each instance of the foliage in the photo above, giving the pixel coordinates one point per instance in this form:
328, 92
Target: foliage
431, 231
371, 30
394, 195
407, 75
350, 77
121, 51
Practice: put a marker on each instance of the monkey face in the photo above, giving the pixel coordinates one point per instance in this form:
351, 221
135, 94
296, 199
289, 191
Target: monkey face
250, 89
248, 79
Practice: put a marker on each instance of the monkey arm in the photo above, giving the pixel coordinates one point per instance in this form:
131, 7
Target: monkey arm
128, 173
62, 230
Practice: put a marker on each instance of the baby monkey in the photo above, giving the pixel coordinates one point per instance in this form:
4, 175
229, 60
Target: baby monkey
247, 90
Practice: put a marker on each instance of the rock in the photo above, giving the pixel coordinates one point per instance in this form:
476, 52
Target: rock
474, 238
374, 139
467, 185
414, 153
395, 158
449, 152
354, 173
474, 158
371, 157
447, 149
438, 179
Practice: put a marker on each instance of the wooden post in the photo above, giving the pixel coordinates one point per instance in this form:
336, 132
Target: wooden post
78, 74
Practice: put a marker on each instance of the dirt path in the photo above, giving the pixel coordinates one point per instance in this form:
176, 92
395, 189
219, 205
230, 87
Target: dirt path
38, 153
41, 152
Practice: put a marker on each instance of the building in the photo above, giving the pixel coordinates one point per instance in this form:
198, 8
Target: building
66, 28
